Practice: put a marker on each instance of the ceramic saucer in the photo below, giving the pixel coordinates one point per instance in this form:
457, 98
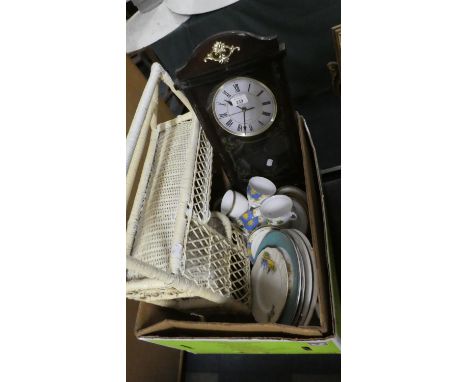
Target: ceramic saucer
269, 285
255, 239
278, 239
313, 301
302, 221
300, 306
309, 278
294, 192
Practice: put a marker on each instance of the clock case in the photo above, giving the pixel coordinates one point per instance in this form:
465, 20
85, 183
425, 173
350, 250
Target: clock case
275, 153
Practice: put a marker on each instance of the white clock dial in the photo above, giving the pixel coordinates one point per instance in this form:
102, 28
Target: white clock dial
243, 106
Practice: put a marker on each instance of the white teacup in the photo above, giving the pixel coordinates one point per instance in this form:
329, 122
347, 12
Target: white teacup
277, 210
234, 204
259, 189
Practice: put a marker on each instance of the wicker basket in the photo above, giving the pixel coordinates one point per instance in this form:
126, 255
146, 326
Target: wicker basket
178, 253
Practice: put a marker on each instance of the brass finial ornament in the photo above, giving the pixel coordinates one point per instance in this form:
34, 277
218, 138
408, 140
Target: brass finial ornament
220, 52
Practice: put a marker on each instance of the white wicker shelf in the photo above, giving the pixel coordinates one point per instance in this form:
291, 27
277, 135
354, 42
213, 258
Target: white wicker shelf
174, 255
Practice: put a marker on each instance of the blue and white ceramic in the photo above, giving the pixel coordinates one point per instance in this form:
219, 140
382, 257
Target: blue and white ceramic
250, 220
294, 193
269, 285
278, 210
234, 204
259, 189
254, 240
278, 239
302, 221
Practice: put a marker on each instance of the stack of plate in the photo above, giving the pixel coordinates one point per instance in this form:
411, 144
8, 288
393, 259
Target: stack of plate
284, 286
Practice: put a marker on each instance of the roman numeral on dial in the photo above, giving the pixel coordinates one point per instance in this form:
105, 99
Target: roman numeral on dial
243, 106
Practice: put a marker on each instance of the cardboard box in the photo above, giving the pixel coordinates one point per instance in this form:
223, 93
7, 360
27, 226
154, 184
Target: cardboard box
177, 330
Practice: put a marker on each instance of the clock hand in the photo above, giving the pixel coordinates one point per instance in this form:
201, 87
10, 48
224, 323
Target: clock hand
229, 102
245, 128
250, 108
235, 113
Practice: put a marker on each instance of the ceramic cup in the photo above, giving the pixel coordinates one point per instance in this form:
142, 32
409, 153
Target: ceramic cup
250, 220
277, 210
234, 204
259, 189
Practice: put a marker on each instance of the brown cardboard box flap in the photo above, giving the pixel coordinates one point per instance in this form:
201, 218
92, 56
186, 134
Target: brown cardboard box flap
152, 320
223, 329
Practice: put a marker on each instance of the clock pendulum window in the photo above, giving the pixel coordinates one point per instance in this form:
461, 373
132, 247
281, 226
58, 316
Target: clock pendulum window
236, 84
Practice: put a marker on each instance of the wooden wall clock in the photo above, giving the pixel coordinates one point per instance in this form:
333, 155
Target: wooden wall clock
237, 86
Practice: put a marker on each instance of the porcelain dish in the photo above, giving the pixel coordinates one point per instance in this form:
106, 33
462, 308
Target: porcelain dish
309, 288
282, 241
294, 192
270, 285
301, 223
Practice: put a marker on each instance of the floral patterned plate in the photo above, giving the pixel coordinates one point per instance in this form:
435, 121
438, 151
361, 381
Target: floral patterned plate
269, 285
280, 240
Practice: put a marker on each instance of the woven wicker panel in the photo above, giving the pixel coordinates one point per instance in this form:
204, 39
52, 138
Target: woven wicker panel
216, 263
174, 257
206, 258
154, 238
202, 180
239, 269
